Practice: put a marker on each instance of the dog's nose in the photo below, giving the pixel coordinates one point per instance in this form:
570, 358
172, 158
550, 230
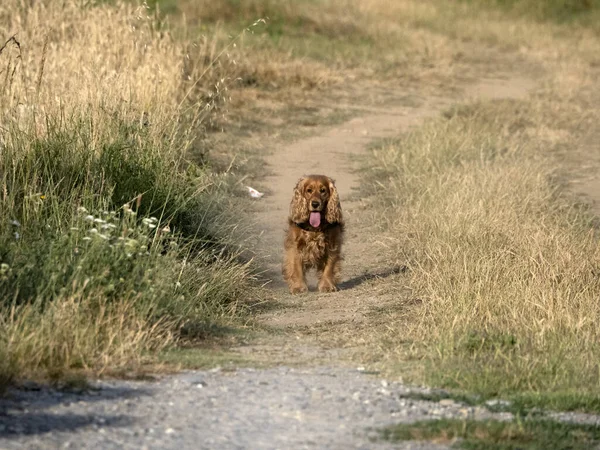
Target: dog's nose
315, 204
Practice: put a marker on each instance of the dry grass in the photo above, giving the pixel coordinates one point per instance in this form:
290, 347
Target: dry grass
504, 263
325, 43
82, 332
116, 64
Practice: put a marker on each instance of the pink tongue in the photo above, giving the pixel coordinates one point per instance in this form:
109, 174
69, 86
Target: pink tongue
315, 219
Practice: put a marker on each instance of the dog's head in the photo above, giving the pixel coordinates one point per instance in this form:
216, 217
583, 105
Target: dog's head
315, 199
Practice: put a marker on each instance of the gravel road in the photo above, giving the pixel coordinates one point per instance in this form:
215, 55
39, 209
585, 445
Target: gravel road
279, 408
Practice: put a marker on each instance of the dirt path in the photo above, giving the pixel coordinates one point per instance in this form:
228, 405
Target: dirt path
314, 398
334, 153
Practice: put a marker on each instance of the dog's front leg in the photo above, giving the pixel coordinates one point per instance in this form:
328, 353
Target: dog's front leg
294, 272
329, 274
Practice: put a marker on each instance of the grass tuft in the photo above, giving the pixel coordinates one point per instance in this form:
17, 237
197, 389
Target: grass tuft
498, 435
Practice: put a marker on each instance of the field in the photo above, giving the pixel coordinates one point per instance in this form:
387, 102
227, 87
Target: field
129, 132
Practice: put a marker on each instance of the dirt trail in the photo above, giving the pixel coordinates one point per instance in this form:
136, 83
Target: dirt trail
333, 153
321, 403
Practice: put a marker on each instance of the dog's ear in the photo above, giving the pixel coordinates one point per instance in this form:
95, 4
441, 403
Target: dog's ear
334, 209
299, 212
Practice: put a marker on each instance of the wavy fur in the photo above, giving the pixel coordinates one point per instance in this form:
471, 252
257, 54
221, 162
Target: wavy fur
308, 247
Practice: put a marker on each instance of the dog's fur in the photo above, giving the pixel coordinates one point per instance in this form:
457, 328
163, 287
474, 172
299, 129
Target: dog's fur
308, 246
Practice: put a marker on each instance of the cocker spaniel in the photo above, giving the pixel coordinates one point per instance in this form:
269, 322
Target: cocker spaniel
314, 235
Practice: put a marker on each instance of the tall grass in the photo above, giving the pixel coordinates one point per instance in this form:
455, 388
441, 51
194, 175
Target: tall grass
319, 44
505, 265
112, 242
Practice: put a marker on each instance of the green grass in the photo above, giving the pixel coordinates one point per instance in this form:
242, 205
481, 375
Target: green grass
126, 230
498, 435
522, 404
577, 12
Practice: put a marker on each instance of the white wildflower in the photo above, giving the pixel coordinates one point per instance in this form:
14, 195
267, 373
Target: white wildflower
150, 222
89, 218
15, 222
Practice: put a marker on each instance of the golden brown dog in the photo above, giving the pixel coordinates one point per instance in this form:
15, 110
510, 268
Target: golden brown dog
314, 236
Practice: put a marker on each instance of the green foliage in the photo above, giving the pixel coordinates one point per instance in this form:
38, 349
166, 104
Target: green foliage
122, 227
499, 435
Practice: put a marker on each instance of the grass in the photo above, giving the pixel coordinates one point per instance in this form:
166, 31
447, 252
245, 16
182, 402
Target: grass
505, 262
503, 258
114, 244
196, 359
578, 12
498, 435
519, 403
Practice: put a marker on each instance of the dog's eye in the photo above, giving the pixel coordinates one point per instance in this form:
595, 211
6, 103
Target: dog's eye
322, 190
309, 191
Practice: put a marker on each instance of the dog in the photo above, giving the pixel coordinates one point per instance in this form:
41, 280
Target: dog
314, 235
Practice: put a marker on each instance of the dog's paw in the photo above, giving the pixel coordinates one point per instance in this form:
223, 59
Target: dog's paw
327, 286
298, 289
